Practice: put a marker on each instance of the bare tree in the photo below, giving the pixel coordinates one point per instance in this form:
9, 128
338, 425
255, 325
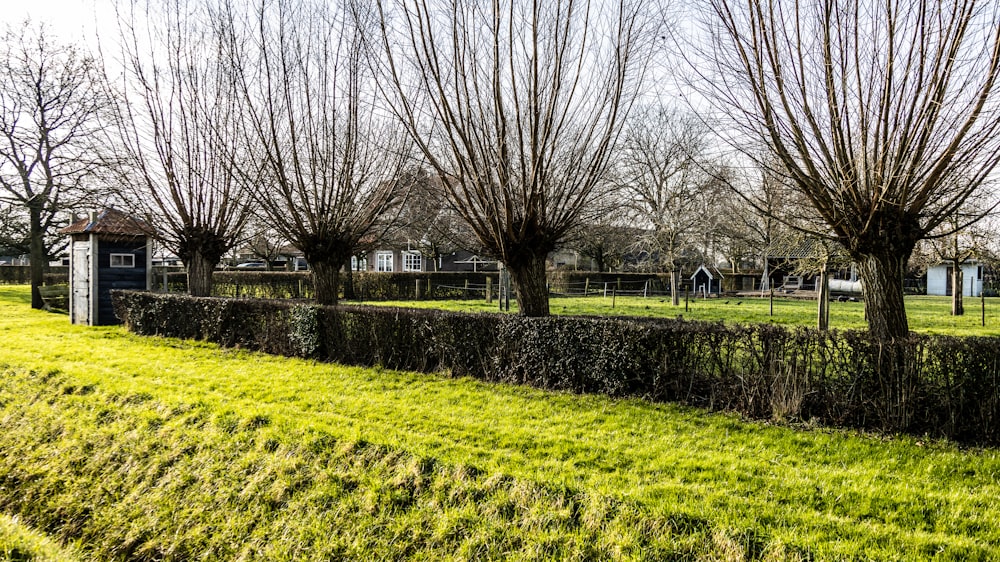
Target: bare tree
14, 232
518, 106
265, 243
427, 223
872, 109
606, 239
666, 184
51, 103
757, 214
186, 167
331, 154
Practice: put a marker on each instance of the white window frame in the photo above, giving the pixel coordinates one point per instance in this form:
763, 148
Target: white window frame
125, 261
409, 257
357, 265
384, 262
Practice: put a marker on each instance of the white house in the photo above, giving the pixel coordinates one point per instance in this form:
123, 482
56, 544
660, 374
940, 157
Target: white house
939, 279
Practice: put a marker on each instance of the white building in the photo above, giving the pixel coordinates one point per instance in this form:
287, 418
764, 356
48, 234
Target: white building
939, 279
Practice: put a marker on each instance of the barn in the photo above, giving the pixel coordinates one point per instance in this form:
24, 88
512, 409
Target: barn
108, 250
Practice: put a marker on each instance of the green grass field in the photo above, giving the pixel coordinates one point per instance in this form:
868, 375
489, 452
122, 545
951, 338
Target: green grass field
929, 315
21, 543
160, 449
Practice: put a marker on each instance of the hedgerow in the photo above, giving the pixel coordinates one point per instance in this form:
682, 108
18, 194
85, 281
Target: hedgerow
940, 386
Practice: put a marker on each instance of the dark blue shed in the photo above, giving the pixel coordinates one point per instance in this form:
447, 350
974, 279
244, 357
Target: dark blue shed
108, 250
707, 280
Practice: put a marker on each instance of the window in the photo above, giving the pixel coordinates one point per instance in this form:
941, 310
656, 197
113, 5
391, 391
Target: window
412, 261
359, 265
383, 261
122, 260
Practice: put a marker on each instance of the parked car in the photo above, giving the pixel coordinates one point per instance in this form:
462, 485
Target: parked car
252, 265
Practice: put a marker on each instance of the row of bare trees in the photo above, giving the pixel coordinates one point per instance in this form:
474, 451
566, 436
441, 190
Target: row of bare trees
877, 120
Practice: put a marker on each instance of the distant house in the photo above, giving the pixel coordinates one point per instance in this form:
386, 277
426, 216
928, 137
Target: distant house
389, 260
707, 280
939, 279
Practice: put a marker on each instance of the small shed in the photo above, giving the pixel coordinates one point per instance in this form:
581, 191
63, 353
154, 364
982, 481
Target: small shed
707, 280
108, 250
939, 279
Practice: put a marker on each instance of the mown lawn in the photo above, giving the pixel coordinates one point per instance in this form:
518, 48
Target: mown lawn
929, 315
149, 449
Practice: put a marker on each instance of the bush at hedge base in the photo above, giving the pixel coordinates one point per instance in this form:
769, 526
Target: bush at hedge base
940, 386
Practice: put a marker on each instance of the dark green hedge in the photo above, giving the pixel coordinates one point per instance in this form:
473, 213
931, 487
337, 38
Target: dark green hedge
941, 386
21, 275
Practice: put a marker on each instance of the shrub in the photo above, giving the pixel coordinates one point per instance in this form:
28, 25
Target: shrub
21, 275
927, 385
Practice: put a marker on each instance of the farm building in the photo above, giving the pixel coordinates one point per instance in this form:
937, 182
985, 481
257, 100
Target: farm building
108, 250
707, 280
939, 279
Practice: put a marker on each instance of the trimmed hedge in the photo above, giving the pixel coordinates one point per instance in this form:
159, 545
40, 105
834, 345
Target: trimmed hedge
940, 386
21, 275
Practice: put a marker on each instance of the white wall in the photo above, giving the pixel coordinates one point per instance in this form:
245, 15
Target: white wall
937, 280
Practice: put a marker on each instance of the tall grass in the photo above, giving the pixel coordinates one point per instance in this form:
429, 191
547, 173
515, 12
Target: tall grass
147, 448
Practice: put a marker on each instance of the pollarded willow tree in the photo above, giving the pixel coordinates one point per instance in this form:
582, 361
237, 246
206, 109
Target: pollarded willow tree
518, 106
330, 155
186, 167
873, 109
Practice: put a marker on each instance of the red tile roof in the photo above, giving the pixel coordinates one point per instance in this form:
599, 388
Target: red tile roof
110, 221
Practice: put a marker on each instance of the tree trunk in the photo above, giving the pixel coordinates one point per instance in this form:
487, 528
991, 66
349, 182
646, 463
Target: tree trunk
675, 287
529, 282
882, 287
199, 270
349, 293
37, 255
823, 308
326, 280
957, 282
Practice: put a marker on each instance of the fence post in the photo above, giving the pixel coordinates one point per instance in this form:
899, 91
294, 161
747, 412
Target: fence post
489, 289
416, 289
586, 287
465, 294
605, 289
614, 292
645, 288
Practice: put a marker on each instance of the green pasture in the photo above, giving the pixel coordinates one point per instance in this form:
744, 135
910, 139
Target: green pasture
930, 315
20, 543
162, 449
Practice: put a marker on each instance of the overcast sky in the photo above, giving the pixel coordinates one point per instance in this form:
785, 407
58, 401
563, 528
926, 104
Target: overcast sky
69, 20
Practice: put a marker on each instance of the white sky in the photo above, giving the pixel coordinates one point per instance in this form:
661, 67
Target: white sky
70, 21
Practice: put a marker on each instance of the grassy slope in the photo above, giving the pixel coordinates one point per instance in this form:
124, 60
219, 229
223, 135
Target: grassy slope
931, 315
21, 543
230, 454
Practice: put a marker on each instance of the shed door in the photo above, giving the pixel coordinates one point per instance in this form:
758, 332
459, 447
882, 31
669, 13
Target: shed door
81, 282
